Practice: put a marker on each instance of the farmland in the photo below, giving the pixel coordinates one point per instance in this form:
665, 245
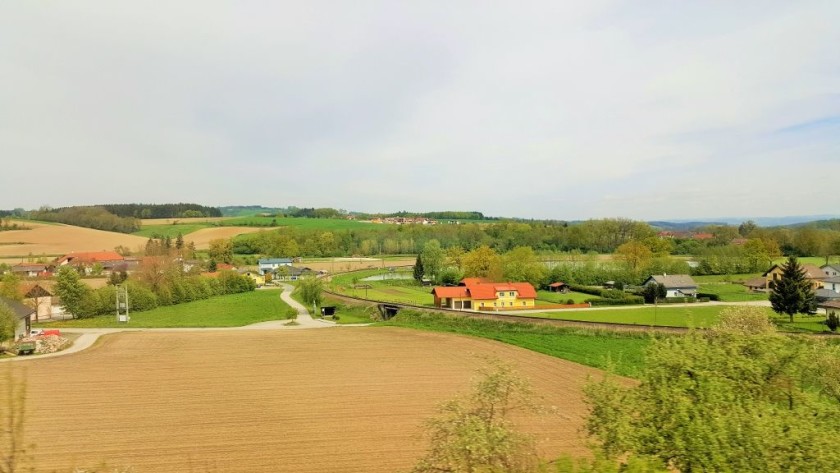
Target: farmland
295, 401
56, 239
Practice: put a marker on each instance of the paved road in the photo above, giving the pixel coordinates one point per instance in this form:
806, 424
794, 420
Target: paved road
89, 336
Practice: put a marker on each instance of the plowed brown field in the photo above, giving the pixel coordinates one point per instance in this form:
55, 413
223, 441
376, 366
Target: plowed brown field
60, 239
336, 400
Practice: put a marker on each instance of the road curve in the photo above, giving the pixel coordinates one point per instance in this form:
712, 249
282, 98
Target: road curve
89, 336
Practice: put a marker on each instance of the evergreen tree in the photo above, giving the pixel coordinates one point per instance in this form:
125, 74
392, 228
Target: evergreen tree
213, 266
179, 241
418, 269
793, 293
167, 243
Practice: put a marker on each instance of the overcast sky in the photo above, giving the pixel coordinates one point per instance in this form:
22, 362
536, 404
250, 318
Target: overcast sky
550, 109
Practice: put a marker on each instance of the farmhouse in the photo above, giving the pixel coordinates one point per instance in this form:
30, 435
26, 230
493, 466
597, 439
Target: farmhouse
830, 290
109, 261
812, 273
676, 285
270, 265
40, 298
482, 294
831, 270
256, 276
290, 273
31, 270
23, 315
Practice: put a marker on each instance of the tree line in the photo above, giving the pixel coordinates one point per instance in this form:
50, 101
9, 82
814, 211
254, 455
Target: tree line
179, 210
727, 251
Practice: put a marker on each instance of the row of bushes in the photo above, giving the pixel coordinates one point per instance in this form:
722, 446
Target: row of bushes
141, 297
608, 296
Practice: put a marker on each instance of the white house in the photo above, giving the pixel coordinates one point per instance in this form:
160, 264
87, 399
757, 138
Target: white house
831, 270
270, 265
676, 285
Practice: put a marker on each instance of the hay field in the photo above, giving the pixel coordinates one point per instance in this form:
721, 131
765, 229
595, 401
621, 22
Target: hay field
203, 237
337, 400
338, 265
59, 239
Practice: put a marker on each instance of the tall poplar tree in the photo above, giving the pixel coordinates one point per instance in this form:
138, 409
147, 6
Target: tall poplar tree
418, 269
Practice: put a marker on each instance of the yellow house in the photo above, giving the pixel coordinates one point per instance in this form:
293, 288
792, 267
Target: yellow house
480, 294
812, 273
258, 278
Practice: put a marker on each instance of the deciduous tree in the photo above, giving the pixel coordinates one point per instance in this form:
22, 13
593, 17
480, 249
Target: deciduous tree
433, 259
482, 262
476, 434
739, 397
71, 290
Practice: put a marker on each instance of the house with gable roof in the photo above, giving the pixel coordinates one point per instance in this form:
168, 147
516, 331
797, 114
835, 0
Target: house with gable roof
23, 314
483, 294
813, 274
676, 285
84, 261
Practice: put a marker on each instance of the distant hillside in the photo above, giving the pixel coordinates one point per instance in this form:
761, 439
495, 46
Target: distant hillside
249, 210
681, 226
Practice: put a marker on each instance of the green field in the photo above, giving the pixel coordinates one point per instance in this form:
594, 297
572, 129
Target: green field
702, 316
622, 352
732, 292
560, 298
232, 310
730, 278
404, 291
171, 230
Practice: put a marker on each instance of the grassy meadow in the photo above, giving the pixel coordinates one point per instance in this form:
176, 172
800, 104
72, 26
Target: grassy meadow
233, 310
621, 352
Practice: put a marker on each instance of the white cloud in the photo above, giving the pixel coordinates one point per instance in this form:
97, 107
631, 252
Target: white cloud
538, 109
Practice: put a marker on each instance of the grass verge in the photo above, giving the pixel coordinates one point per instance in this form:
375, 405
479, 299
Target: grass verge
619, 351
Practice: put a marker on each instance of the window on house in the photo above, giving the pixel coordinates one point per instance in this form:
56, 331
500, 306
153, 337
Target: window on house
494, 304
482, 304
511, 304
511, 294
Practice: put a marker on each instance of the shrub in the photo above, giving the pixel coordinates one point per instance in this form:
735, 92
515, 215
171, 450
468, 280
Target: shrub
833, 322
570, 301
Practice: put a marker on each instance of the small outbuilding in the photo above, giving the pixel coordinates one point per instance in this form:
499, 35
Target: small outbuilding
559, 287
831, 307
23, 313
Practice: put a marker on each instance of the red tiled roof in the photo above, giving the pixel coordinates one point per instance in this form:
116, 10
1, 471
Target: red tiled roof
450, 291
91, 257
526, 290
484, 291
471, 281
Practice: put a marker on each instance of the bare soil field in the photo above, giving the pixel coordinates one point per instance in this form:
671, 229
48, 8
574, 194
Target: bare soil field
337, 400
203, 237
59, 239
353, 264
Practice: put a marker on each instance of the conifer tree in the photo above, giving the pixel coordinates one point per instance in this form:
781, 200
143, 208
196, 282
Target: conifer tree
418, 269
793, 293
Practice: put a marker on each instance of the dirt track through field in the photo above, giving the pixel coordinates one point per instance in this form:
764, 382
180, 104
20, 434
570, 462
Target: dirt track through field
341, 400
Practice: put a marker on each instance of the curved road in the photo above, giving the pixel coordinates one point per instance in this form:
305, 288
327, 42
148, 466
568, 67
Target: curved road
88, 336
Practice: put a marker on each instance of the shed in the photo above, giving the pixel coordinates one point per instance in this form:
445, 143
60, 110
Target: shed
559, 287
24, 315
